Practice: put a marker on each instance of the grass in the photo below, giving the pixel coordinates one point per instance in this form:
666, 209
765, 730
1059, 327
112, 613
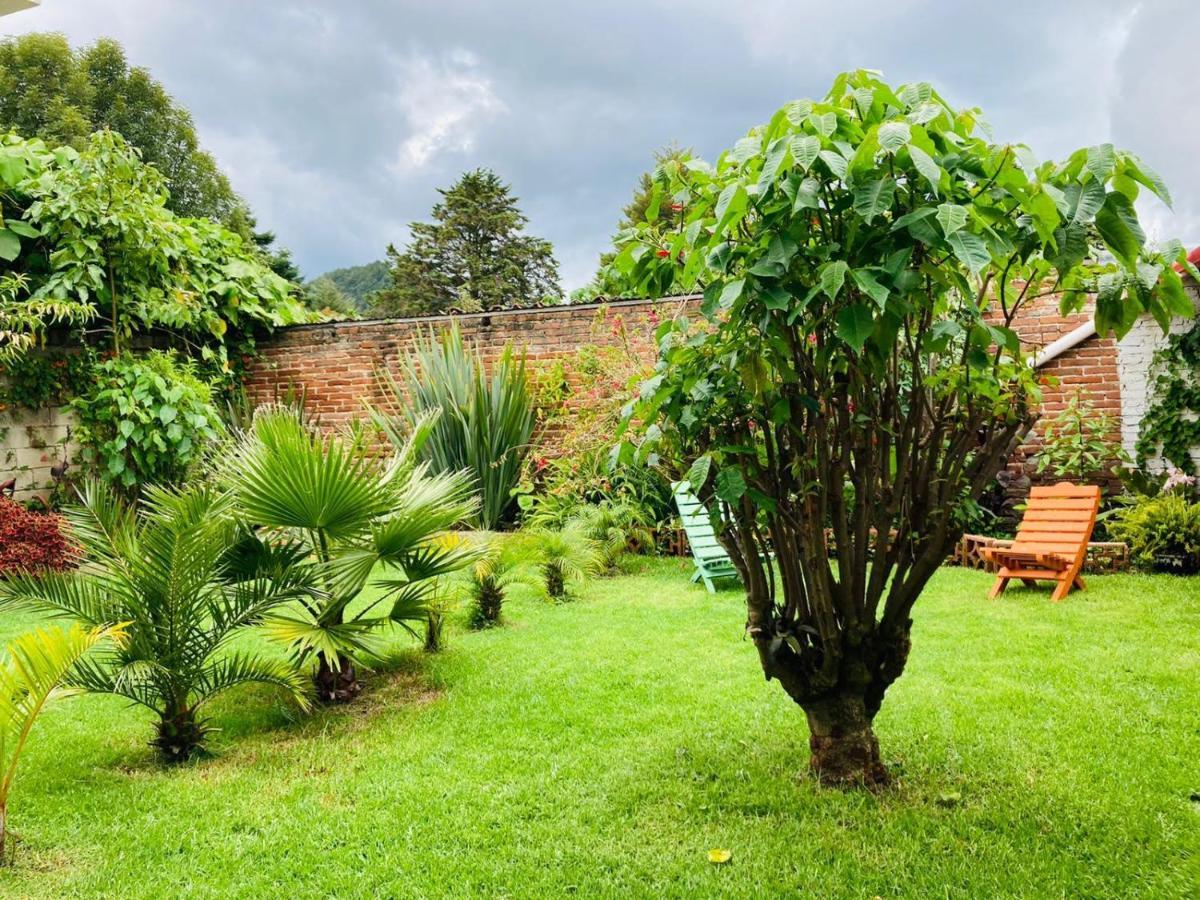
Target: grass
603, 747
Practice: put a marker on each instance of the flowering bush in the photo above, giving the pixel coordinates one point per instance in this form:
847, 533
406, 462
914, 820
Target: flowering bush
31, 541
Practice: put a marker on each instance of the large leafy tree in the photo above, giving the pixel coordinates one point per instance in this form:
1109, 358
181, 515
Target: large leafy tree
62, 95
473, 255
359, 283
856, 380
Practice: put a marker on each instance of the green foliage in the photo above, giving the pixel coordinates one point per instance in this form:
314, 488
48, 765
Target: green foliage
1078, 442
145, 420
861, 259
614, 528
96, 237
163, 568
23, 320
52, 378
1171, 426
473, 256
485, 422
358, 516
565, 559
500, 565
32, 671
1168, 524
324, 296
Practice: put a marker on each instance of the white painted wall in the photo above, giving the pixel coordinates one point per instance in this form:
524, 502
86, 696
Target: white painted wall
1135, 354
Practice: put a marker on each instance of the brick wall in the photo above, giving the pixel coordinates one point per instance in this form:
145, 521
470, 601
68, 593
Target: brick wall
336, 365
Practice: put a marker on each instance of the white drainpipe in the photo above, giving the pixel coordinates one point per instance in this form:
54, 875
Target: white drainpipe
1057, 348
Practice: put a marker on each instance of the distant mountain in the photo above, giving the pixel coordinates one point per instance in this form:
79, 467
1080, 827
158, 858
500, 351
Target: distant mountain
359, 282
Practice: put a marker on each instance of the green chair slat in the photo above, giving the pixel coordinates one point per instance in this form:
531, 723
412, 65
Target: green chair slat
710, 558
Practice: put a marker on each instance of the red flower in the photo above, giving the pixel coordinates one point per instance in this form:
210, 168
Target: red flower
676, 207
812, 340
540, 463
850, 406
662, 254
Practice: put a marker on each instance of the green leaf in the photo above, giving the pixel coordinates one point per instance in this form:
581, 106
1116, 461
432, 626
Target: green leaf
1118, 225
924, 163
697, 473
869, 285
894, 135
805, 148
806, 195
1091, 198
10, 245
1101, 160
951, 217
854, 325
825, 123
832, 276
873, 198
1144, 175
731, 292
835, 161
731, 485
733, 197
915, 216
970, 249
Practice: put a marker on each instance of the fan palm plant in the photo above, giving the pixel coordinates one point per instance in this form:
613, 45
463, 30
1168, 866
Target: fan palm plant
164, 567
32, 673
485, 425
615, 526
356, 515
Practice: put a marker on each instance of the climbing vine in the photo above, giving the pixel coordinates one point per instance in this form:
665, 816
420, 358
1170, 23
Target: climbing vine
1171, 426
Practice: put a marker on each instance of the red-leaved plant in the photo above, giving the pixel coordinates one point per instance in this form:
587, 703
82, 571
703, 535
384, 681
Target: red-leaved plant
31, 541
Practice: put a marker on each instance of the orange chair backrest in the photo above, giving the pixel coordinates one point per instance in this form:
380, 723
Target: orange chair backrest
1059, 519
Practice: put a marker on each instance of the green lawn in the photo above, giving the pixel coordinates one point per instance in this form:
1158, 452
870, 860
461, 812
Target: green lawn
601, 748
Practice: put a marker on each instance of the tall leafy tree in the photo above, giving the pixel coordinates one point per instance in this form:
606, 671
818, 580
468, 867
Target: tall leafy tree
359, 283
61, 95
856, 380
473, 255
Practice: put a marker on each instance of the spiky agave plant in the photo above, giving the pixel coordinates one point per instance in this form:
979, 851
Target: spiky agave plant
163, 567
357, 516
564, 559
486, 420
32, 674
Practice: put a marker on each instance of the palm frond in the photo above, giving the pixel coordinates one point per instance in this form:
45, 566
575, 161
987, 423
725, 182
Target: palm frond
304, 636
234, 669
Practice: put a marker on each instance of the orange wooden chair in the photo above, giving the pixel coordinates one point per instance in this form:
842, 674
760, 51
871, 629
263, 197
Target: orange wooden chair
1052, 539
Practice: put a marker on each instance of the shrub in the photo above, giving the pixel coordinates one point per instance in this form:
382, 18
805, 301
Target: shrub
31, 541
1078, 442
1166, 525
614, 527
162, 568
564, 560
486, 422
145, 420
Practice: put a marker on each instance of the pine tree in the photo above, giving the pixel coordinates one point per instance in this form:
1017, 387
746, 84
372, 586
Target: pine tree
472, 256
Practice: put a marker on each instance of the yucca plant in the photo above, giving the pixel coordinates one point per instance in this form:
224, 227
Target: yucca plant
486, 421
164, 567
500, 566
615, 527
564, 559
32, 675
356, 516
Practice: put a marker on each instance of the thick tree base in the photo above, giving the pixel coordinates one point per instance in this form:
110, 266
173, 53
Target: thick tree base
845, 751
180, 737
337, 683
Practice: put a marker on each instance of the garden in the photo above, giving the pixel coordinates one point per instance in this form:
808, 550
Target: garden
453, 648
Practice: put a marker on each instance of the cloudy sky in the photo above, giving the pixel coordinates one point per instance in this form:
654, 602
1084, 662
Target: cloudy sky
338, 120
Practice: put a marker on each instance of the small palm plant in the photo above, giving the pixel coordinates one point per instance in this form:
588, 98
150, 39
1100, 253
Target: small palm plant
32, 673
615, 526
564, 560
164, 568
500, 566
356, 515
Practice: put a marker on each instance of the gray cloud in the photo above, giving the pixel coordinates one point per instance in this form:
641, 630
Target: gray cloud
338, 121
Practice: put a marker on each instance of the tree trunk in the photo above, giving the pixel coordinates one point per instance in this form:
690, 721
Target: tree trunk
4, 835
337, 682
845, 751
180, 735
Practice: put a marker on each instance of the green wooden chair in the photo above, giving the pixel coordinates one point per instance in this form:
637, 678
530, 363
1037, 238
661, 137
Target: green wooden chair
712, 562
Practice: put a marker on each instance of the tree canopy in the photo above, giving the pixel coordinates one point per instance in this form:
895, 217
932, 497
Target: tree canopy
50, 91
87, 237
358, 283
474, 255
856, 382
